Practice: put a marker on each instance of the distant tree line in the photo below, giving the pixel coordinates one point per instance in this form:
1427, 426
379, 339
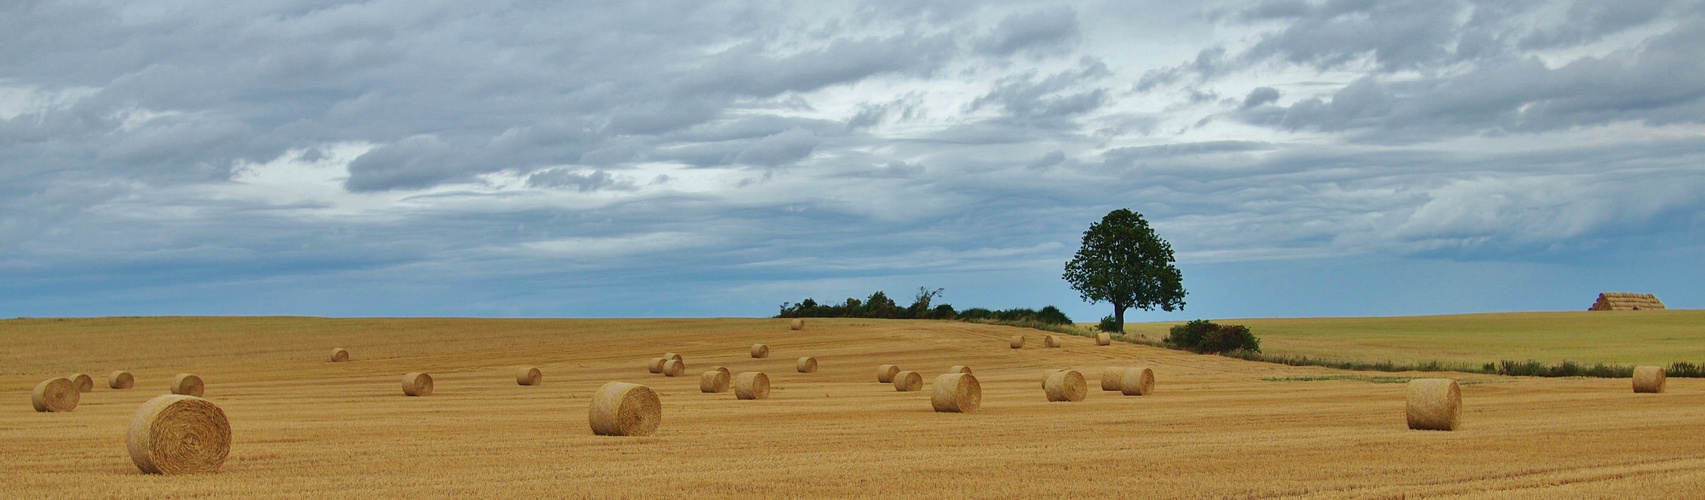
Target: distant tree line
878, 305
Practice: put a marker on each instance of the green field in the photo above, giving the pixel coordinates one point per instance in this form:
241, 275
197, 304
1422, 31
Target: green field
1612, 337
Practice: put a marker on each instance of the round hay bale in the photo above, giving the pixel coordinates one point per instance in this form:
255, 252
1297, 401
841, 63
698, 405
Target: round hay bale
959, 369
1433, 404
188, 385
1049, 373
1137, 381
714, 381
1065, 385
83, 381
720, 369
760, 351
417, 384
885, 373
176, 434
674, 368
121, 380
529, 375
1649, 379
752, 385
1016, 341
339, 355
1051, 340
55, 395
957, 393
908, 381
670, 355
806, 364
796, 324
1103, 338
1110, 377
656, 365
623, 409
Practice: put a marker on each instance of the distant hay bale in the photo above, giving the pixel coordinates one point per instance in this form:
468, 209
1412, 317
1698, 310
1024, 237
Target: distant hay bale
417, 384
956, 393
908, 381
1103, 338
624, 409
885, 373
670, 355
796, 324
1137, 381
1649, 379
656, 365
529, 375
752, 385
55, 395
339, 355
121, 380
714, 381
1065, 385
959, 369
1049, 373
674, 368
1110, 377
177, 434
1016, 341
806, 364
1434, 404
83, 381
188, 385
1051, 340
760, 351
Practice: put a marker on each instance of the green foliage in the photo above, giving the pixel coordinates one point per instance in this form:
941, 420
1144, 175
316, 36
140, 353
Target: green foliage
1124, 263
1108, 324
1204, 336
878, 305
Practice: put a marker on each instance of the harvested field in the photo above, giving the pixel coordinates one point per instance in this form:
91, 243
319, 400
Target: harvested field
304, 427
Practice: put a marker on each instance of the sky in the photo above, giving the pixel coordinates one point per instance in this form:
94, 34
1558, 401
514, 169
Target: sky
718, 158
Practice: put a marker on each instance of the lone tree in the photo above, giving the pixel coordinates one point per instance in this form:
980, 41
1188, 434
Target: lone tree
1124, 263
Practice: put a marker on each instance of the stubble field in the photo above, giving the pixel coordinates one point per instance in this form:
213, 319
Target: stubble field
1214, 428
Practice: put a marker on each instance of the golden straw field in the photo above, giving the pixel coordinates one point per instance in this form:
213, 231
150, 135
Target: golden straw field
1214, 427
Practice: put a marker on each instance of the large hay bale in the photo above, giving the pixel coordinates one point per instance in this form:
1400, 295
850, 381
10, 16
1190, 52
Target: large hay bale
806, 364
1016, 341
529, 375
55, 395
176, 434
1065, 385
339, 355
956, 393
1649, 379
1049, 373
1103, 338
1433, 404
83, 381
885, 373
908, 381
1110, 377
760, 351
752, 385
188, 385
417, 384
656, 365
1137, 381
1051, 340
796, 324
959, 369
674, 368
714, 381
670, 355
121, 380
624, 409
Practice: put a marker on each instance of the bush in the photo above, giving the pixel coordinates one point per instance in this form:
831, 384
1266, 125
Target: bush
1204, 336
1108, 324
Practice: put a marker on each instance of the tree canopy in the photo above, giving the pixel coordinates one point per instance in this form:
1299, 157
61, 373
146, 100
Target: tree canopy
1124, 263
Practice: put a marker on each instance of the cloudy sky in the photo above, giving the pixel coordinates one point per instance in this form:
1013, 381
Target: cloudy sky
713, 158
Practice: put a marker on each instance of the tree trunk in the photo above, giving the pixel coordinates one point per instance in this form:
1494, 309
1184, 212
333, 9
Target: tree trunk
1119, 317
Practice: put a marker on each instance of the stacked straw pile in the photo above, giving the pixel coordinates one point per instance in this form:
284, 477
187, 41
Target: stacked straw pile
177, 434
186, 384
623, 409
1433, 404
55, 395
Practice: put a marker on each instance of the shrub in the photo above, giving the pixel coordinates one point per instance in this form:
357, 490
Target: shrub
1108, 324
1204, 336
